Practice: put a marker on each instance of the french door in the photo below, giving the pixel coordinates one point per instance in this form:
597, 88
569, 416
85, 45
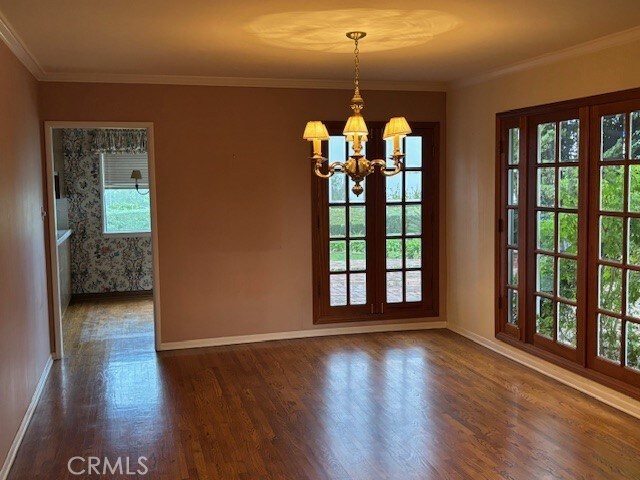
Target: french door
556, 217
614, 327
568, 242
376, 255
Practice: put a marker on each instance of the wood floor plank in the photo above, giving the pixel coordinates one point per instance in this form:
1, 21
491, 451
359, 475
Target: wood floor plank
409, 405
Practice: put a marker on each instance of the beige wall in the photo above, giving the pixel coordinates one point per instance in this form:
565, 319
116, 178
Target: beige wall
471, 155
233, 193
24, 320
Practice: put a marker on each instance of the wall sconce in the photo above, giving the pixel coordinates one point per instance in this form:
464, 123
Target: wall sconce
137, 175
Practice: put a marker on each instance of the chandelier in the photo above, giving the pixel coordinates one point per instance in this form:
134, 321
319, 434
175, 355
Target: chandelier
357, 166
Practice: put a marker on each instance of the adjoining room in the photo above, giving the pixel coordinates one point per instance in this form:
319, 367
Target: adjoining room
103, 235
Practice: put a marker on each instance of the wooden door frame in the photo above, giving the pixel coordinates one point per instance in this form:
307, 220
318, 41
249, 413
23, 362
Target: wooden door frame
586, 106
54, 281
430, 215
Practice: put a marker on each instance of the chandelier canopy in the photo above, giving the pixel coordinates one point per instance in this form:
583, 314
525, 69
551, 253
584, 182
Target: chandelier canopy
357, 166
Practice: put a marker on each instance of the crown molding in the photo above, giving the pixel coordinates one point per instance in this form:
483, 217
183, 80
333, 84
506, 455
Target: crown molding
240, 81
17, 46
592, 46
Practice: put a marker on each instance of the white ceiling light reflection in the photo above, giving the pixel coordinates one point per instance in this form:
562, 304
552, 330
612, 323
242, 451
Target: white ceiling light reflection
324, 31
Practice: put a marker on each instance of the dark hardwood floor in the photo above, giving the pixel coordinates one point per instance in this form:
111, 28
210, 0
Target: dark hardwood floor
419, 405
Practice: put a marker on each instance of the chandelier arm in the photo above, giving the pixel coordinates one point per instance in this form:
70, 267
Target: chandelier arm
332, 169
391, 173
383, 166
333, 166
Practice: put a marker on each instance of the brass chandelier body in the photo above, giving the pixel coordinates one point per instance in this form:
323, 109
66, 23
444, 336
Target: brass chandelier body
357, 166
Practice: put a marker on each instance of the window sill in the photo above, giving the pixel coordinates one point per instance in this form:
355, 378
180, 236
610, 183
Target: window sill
127, 234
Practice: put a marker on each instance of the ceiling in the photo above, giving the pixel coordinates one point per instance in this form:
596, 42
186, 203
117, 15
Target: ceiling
413, 41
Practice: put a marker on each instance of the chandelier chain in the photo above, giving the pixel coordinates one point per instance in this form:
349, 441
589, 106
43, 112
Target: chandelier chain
356, 52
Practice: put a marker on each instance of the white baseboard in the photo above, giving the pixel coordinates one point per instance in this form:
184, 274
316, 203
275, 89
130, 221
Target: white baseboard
314, 332
11, 456
604, 394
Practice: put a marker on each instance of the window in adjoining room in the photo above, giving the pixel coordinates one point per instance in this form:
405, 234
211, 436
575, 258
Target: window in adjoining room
126, 209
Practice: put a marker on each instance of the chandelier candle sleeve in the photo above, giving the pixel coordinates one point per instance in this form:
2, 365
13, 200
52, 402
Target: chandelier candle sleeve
316, 132
357, 166
396, 128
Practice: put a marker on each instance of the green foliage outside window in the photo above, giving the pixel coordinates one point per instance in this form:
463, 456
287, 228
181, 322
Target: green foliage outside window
611, 234
126, 211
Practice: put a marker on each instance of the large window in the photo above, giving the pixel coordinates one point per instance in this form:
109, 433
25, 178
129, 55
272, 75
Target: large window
568, 241
375, 256
126, 210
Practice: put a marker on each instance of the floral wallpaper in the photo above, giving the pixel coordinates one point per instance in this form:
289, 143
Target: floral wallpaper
99, 263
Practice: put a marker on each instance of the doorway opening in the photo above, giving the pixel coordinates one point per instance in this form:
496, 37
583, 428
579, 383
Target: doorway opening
102, 235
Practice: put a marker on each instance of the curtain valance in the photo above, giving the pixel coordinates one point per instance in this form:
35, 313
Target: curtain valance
120, 140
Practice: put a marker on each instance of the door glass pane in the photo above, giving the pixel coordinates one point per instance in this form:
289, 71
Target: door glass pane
357, 255
545, 274
610, 288
338, 256
413, 186
358, 289
414, 286
394, 188
569, 140
337, 149
394, 220
568, 233
568, 189
567, 324
633, 345
635, 135
634, 188
413, 151
609, 330
394, 287
547, 143
546, 231
413, 219
512, 311
512, 227
337, 222
546, 187
338, 188
514, 146
633, 293
513, 186
512, 267
633, 256
567, 278
338, 289
611, 240
612, 188
544, 317
413, 252
394, 253
357, 221
613, 137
